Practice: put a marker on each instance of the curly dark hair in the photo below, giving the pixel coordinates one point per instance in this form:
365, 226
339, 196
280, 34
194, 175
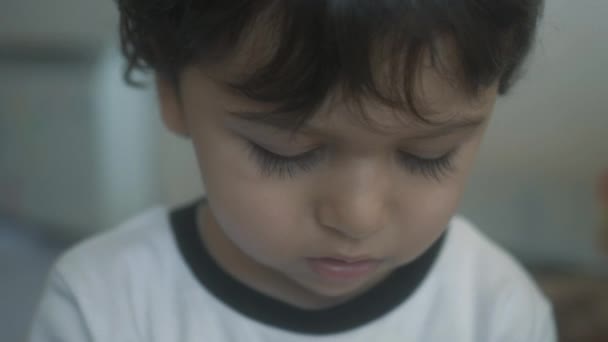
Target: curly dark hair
319, 44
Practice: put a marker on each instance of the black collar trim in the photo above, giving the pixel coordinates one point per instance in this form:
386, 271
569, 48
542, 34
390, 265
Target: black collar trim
369, 306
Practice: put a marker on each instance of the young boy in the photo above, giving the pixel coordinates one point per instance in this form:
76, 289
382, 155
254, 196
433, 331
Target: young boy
334, 139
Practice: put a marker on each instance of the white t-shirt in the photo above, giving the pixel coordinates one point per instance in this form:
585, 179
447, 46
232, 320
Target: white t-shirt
151, 280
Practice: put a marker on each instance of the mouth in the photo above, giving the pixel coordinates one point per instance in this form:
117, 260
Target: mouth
341, 269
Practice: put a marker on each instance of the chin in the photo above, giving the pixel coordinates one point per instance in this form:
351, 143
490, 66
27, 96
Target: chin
337, 292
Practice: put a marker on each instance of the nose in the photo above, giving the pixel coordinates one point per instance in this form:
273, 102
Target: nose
355, 204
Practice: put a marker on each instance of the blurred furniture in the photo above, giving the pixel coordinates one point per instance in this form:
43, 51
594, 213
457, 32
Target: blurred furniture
580, 304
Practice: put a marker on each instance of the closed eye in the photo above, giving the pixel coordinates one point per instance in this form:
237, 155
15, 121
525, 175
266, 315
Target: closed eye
435, 168
273, 164
283, 166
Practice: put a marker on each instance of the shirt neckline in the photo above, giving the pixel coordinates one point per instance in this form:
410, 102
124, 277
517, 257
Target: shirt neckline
367, 307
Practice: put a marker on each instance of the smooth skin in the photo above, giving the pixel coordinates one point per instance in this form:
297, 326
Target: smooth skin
359, 197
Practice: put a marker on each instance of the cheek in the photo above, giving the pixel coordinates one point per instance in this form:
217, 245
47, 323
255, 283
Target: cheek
427, 214
252, 211
428, 206
434, 209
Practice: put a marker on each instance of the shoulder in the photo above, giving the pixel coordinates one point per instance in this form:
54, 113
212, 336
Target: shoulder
503, 294
100, 288
142, 242
488, 267
481, 257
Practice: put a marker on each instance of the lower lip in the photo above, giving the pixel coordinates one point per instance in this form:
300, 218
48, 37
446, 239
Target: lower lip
337, 270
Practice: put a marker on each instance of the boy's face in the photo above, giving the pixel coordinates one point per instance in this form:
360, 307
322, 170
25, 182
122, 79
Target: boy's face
323, 226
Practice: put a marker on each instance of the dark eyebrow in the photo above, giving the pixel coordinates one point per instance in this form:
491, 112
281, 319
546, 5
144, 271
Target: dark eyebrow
449, 127
281, 121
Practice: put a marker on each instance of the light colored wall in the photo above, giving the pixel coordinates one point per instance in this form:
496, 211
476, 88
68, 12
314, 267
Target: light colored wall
535, 186
47, 164
64, 22
126, 142
181, 182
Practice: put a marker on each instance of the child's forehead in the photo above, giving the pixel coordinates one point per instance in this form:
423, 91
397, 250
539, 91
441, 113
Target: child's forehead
270, 65
376, 118
342, 120
439, 102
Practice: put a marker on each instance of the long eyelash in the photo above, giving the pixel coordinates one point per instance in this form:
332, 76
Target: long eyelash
432, 168
272, 164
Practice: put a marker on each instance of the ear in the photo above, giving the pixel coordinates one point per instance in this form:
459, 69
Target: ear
170, 107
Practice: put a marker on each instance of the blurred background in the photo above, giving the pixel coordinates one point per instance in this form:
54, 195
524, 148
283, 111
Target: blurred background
80, 152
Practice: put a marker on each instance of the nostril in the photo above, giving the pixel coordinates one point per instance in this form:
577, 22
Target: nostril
356, 232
